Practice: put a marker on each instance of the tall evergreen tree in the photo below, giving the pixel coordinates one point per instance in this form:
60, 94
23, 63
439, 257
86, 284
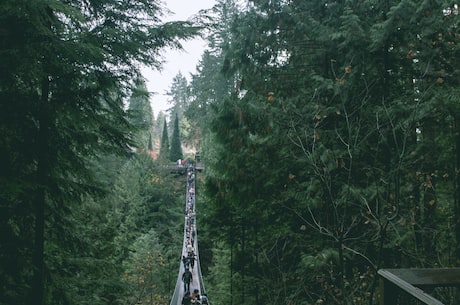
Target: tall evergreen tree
207, 88
150, 144
179, 93
141, 114
175, 152
164, 146
157, 131
180, 100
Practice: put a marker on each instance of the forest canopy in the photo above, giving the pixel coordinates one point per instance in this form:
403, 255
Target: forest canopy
329, 131
331, 144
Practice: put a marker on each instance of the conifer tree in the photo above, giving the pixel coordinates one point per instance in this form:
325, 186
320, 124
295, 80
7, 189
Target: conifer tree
175, 152
164, 146
179, 93
141, 115
206, 89
158, 130
150, 145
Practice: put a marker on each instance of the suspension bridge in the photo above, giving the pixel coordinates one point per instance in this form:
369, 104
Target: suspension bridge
186, 293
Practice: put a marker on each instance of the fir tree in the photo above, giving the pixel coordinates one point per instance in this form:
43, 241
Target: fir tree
176, 147
150, 145
141, 115
179, 93
164, 147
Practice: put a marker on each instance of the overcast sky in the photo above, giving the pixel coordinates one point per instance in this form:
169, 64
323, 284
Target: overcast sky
176, 61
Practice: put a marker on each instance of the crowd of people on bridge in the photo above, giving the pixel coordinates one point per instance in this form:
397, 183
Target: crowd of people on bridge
189, 257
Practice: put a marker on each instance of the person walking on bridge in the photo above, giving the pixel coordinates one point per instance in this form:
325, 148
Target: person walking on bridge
187, 278
186, 300
191, 260
185, 261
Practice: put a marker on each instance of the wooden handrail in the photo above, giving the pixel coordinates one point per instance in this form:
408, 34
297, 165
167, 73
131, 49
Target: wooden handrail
412, 281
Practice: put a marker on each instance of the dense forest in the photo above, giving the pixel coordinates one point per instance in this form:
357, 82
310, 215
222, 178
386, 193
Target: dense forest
329, 131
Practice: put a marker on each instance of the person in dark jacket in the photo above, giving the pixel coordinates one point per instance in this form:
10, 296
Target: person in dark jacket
186, 300
191, 260
187, 278
185, 261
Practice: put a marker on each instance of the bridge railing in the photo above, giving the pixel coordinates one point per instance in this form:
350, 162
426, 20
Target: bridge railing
412, 286
198, 265
177, 295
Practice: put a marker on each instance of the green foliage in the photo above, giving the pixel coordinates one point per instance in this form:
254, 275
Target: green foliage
218, 282
150, 144
141, 115
93, 276
145, 215
67, 67
164, 145
180, 103
175, 153
144, 270
179, 93
347, 166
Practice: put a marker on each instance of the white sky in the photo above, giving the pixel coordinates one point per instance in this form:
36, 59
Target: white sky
176, 61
